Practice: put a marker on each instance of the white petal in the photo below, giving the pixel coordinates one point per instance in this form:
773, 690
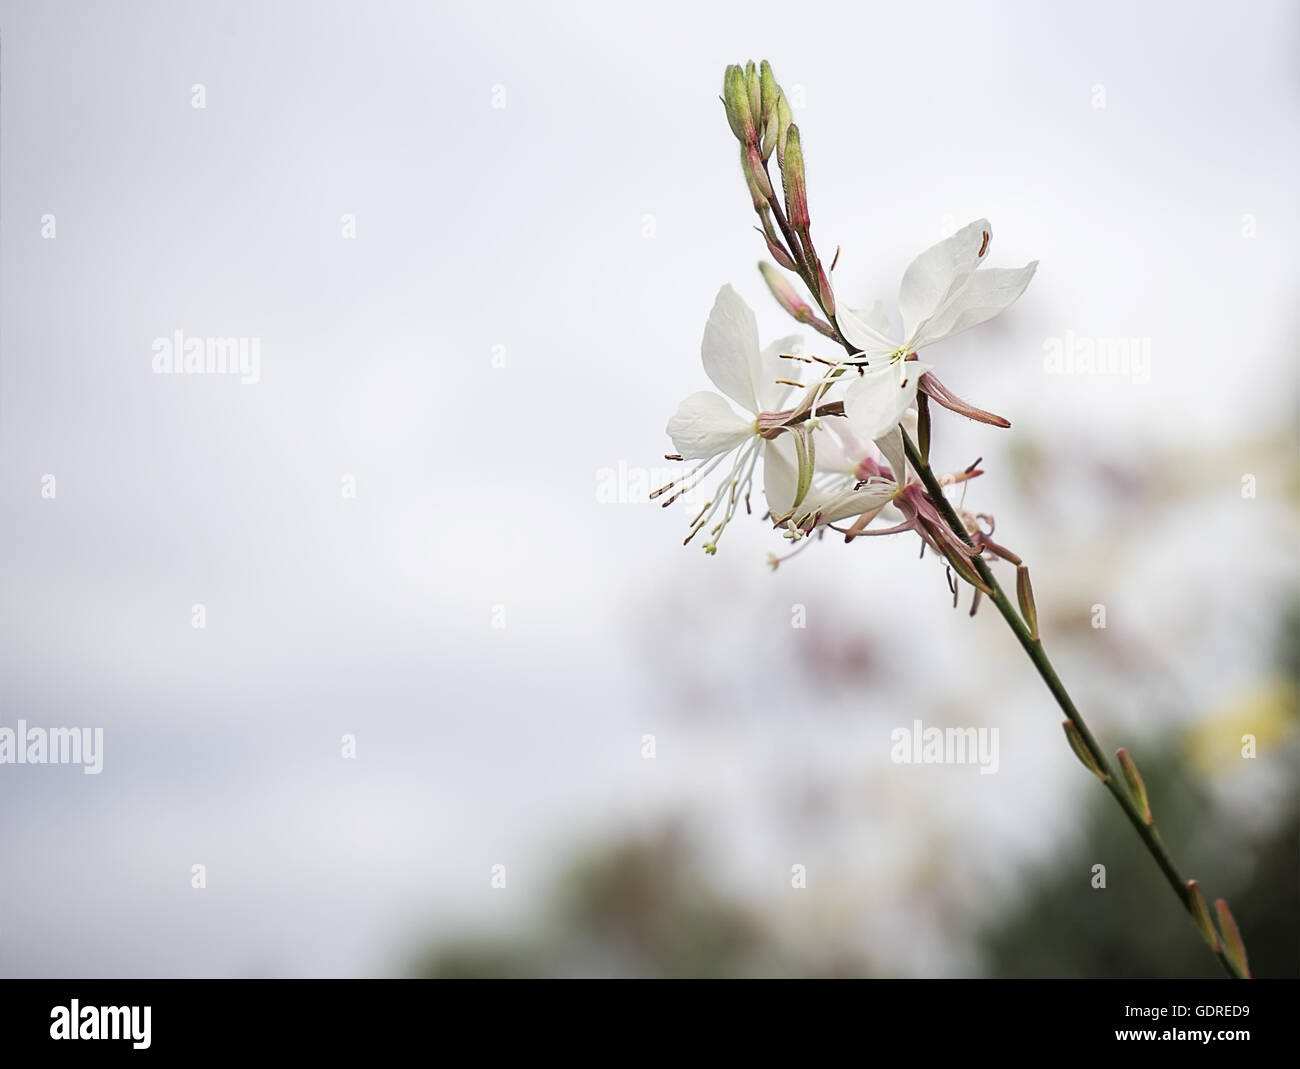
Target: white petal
730, 348
871, 496
987, 293
780, 474
704, 425
877, 400
891, 447
861, 331
771, 367
938, 273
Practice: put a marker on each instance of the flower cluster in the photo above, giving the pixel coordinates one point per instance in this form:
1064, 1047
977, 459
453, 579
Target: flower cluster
832, 429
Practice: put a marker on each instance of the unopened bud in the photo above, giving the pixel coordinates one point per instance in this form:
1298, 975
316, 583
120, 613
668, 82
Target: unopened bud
768, 121
788, 298
769, 89
753, 83
735, 99
786, 295
824, 290
792, 179
761, 203
1201, 914
1082, 752
776, 249
753, 164
784, 119
1233, 947
1136, 787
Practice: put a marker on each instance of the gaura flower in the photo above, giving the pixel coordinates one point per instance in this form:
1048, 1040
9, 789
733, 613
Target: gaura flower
851, 477
707, 429
942, 294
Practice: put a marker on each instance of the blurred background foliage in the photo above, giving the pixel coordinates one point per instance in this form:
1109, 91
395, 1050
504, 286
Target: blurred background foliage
649, 902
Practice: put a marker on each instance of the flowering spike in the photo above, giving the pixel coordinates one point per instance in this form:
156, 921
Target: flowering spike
1025, 595
1232, 944
1201, 914
1082, 752
1136, 787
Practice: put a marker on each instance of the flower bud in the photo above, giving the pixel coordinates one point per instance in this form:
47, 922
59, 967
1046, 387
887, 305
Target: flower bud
735, 99
1136, 788
752, 161
761, 203
824, 290
792, 178
1201, 914
784, 119
789, 299
769, 121
753, 83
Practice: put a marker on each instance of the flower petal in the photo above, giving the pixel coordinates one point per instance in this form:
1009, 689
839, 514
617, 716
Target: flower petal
780, 474
872, 496
891, 447
767, 391
877, 400
984, 296
704, 425
861, 330
940, 272
730, 348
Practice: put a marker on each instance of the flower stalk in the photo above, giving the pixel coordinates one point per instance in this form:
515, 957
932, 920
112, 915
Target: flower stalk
815, 476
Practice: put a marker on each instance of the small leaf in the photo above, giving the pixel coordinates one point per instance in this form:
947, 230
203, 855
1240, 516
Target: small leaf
1025, 595
1201, 914
1232, 944
1081, 751
1137, 789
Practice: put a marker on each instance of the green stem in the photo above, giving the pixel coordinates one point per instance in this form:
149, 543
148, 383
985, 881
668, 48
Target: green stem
1034, 649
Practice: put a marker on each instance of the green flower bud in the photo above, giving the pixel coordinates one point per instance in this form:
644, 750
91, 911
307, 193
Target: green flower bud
735, 99
792, 178
754, 84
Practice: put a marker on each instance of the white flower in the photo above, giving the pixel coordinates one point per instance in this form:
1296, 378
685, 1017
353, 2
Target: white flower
941, 294
706, 428
851, 478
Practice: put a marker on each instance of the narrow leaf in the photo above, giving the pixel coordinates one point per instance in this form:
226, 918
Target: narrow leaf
1081, 751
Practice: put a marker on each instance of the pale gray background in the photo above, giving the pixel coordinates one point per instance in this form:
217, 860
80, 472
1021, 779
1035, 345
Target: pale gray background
523, 227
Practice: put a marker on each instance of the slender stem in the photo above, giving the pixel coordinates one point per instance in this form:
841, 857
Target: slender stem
1034, 649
